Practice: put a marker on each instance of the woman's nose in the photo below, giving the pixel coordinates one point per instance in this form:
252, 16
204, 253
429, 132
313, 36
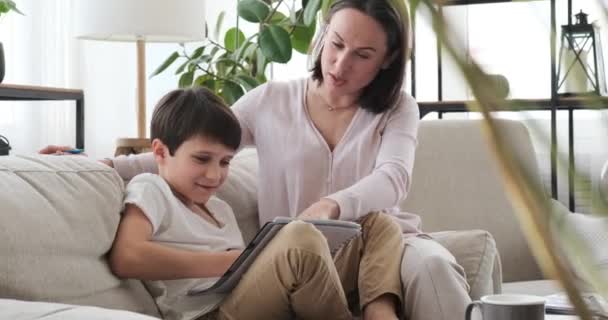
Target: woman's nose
342, 63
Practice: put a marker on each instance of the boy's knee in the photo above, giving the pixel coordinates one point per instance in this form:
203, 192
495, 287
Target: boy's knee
381, 222
305, 236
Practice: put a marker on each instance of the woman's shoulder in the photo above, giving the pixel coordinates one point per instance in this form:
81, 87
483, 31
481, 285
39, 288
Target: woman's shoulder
406, 104
284, 87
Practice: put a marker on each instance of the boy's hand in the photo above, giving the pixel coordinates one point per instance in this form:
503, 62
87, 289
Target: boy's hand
322, 209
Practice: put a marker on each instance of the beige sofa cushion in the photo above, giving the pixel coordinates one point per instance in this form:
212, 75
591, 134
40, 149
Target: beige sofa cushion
475, 251
58, 218
240, 191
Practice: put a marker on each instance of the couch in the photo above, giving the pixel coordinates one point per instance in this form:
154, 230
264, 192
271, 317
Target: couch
58, 217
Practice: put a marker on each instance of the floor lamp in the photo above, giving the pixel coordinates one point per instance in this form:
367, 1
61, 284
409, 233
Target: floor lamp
140, 21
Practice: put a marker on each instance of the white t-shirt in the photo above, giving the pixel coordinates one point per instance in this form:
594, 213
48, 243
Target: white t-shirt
174, 224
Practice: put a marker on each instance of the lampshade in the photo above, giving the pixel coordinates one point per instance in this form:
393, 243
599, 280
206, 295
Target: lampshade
147, 20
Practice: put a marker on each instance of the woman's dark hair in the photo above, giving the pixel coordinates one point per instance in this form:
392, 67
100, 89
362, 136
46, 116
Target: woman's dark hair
384, 90
184, 113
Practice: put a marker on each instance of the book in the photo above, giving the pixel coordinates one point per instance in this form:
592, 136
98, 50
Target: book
337, 232
559, 303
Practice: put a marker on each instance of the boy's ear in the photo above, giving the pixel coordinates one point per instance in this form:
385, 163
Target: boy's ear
159, 150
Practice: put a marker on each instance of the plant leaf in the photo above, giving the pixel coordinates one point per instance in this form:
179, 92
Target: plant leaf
231, 92
165, 64
260, 62
248, 82
186, 79
253, 10
275, 44
197, 53
310, 12
218, 25
278, 18
325, 6
12, 6
181, 68
233, 39
206, 81
302, 36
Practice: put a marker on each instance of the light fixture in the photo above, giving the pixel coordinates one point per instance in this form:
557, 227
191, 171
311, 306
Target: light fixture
140, 21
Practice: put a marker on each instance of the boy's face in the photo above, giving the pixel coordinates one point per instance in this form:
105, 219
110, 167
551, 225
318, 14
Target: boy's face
197, 168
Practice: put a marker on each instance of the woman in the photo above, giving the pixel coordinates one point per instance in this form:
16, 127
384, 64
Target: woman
340, 144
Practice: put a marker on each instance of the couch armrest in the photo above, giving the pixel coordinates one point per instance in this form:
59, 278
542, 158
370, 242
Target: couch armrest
475, 251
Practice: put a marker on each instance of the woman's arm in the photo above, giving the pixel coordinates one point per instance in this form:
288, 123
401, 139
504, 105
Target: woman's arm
134, 255
389, 181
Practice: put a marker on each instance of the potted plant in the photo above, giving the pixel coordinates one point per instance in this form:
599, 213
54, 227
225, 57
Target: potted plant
237, 63
5, 7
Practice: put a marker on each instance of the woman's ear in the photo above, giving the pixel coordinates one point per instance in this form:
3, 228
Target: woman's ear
159, 150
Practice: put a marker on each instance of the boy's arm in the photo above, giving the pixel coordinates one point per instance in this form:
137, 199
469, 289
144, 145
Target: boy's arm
134, 255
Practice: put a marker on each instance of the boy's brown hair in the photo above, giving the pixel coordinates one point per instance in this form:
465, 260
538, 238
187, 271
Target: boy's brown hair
184, 113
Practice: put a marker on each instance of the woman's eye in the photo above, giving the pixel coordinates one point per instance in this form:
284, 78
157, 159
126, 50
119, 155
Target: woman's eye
338, 45
362, 56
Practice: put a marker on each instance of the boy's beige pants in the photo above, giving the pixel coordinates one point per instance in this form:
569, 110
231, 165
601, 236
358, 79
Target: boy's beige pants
296, 277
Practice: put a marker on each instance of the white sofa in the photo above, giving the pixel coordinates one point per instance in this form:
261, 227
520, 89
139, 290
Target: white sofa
58, 217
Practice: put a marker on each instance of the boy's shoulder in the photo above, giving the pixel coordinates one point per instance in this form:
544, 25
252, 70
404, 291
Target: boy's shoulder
147, 181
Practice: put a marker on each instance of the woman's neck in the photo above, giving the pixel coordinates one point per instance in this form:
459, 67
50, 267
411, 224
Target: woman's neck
326, 100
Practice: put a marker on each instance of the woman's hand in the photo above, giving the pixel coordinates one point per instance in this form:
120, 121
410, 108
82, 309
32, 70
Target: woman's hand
63, 150
322, 209
58, 150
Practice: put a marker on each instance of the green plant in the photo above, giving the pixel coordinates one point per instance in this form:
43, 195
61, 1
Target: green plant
239, 63
8, 5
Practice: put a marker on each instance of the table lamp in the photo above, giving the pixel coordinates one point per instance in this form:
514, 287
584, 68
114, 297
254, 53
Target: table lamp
140, 21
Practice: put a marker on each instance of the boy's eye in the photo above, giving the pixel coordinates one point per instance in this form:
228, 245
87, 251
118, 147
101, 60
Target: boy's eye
225, 163
202, 159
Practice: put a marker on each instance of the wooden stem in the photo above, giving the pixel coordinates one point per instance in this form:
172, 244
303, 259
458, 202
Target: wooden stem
141, 88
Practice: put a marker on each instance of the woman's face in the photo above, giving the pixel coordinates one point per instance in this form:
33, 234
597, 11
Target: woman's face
354, 50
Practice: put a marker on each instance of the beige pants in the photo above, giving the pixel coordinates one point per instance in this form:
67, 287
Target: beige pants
296, 277
435, 286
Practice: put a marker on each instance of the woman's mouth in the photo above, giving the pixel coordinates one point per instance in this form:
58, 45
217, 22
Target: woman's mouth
335, 80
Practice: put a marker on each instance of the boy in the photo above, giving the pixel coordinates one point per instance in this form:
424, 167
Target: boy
174, 234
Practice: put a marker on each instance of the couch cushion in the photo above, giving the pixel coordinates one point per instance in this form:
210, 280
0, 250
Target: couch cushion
475, 251
456, 185
27, 310
58, 218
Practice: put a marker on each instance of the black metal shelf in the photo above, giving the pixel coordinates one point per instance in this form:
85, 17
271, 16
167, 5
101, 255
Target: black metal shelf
11, 92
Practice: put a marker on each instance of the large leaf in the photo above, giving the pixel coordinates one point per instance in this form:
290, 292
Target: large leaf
231, 92
260, 62
165, 64
218, 25
275, 44
186, 79
233, 39
253, 10
302, 36
310, 11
